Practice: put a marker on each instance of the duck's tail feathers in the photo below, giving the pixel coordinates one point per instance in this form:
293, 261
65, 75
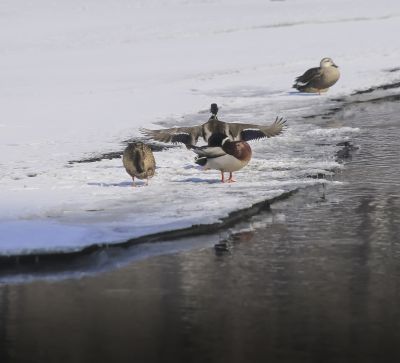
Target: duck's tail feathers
299, 87
201, 160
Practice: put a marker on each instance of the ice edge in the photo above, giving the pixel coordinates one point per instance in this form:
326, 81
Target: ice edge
194, 230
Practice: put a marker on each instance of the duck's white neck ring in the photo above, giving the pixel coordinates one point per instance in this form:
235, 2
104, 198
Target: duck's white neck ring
224, 140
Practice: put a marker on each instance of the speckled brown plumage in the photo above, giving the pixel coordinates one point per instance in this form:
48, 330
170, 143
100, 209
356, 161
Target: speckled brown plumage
139, 162
319, 79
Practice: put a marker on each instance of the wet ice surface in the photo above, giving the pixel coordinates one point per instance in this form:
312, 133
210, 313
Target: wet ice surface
110, 210
316, 279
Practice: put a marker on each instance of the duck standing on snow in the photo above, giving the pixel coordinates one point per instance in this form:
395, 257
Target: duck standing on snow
139, 162
319, 79
234, 131
230, 156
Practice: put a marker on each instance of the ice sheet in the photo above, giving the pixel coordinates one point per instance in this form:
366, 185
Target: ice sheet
79, 77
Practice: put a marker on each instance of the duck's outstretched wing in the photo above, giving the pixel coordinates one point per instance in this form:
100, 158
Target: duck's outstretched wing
308, 76
248, 132
185, 135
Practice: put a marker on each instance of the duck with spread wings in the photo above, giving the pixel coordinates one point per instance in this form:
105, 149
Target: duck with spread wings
234, 131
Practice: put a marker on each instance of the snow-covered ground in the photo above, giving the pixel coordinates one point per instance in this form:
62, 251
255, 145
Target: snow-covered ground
78, 77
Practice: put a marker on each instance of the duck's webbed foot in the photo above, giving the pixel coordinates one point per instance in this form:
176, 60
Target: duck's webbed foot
231, 180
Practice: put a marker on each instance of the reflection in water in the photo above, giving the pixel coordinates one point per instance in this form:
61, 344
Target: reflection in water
319, 283
3, 323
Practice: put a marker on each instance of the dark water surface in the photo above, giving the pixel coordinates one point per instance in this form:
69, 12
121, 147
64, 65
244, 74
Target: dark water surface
320, 282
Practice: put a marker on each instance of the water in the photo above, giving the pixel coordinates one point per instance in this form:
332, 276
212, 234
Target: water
317, 281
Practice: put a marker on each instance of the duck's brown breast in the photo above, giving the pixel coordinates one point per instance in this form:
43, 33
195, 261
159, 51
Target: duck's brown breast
239, 149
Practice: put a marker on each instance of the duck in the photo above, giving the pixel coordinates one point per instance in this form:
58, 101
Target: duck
229, 156
139, 162
234, 131
318, 79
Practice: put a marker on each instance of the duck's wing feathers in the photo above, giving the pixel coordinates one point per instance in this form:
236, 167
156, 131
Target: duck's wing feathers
185, 135
138, 161
248, 132
208, 151
308, 76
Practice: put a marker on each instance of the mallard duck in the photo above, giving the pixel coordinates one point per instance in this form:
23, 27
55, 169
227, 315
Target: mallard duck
319, 79
139, 162
234, 131
230, 156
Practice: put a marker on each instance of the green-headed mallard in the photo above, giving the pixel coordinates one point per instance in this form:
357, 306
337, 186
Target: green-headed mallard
234, 131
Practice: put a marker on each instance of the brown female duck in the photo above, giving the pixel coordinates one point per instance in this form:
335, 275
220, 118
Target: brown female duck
139, 162
319, 79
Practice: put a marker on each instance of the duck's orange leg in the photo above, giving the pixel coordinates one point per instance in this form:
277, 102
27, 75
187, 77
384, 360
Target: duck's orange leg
231, 180
222, 177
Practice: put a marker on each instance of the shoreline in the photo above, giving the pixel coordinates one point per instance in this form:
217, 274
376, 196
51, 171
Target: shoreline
194, 230
234, 217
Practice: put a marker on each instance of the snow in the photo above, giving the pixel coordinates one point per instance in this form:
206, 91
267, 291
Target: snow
79, 77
